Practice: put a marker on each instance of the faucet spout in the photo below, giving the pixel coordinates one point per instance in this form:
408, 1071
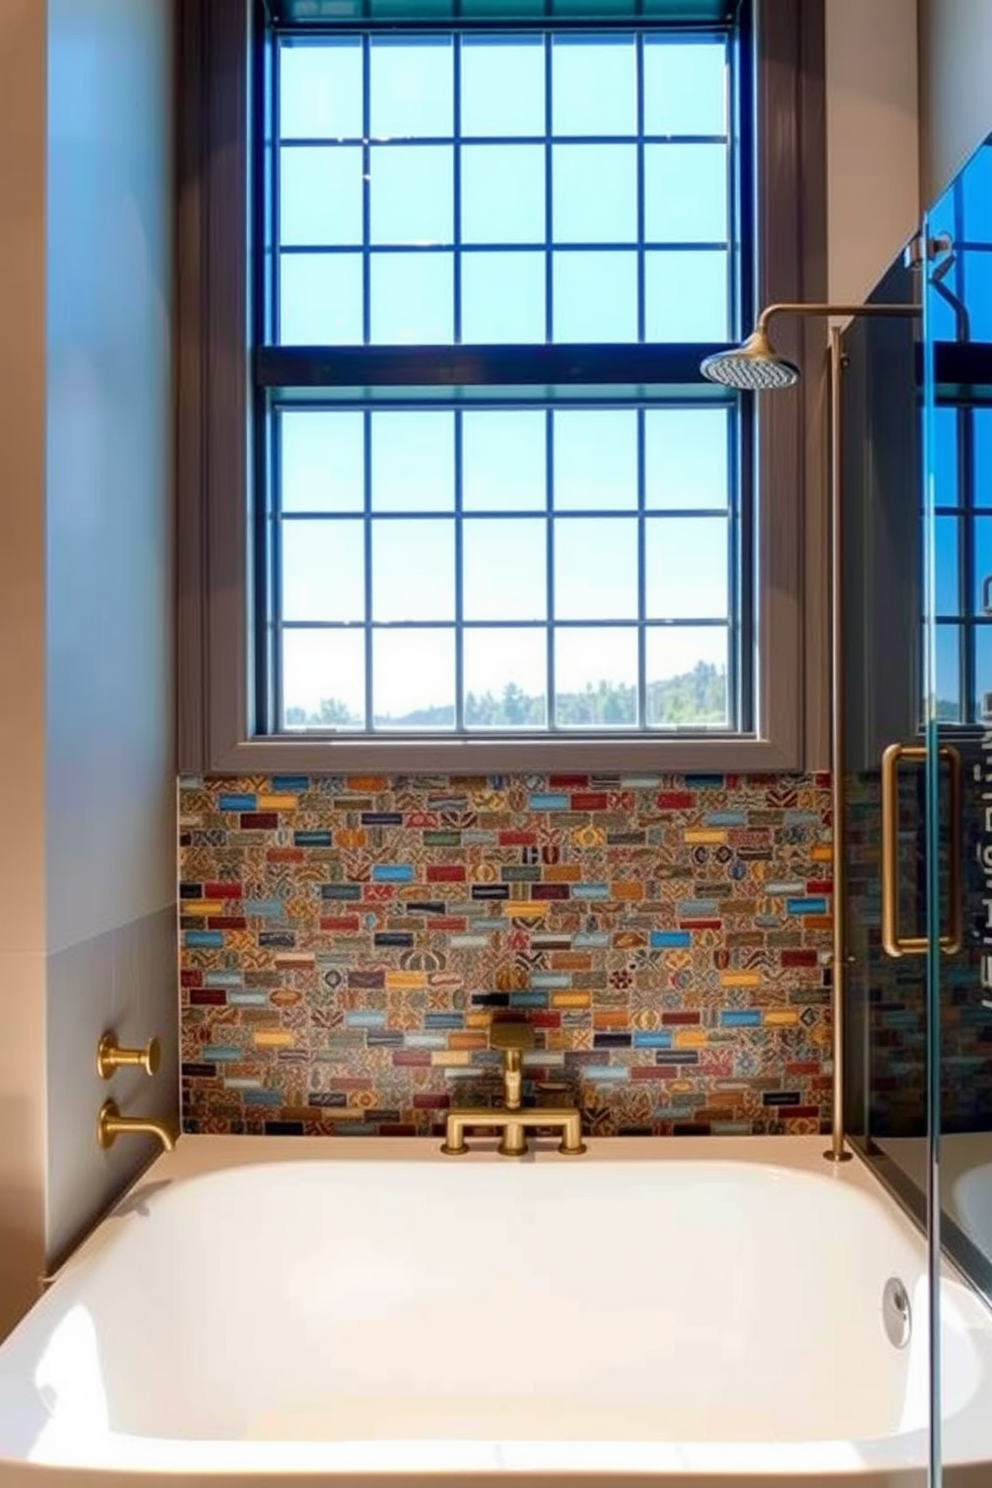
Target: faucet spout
111, 1125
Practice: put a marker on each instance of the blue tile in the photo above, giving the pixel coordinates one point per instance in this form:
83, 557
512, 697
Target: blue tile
590, 939
246, 802
444, 1020
655, 1039
392, 873
590, 891
221, 1054
698, 909
266, 909
263, 1098
725, 818
703, 782
559, 979
364, 1020
289, 784
313, 839
663, 939
806, 906
529, 999
547, 801
601, 1073
247, 999
340, 891
222, 979
210, 940
740, 1018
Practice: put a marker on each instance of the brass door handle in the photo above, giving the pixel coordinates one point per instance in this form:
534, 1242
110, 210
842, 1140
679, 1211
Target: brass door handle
110, 1056
894, 944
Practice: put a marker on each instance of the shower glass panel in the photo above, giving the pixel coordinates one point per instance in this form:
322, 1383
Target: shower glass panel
957, 459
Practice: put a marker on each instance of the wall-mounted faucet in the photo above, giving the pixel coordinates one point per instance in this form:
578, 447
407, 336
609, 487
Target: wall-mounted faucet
513, 1037
111, 1125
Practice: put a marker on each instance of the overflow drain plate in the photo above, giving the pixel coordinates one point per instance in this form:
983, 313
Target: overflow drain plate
897, 1315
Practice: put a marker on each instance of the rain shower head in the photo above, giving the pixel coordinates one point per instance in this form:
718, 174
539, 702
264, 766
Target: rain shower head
754, 367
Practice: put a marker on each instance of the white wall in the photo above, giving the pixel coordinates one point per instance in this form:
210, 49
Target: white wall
873, 202
956, 86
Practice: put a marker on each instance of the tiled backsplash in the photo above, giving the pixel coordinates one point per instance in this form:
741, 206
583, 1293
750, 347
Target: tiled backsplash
347, 941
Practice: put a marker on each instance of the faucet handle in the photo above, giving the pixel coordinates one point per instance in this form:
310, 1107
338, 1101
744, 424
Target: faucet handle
110, 1056
509, 1034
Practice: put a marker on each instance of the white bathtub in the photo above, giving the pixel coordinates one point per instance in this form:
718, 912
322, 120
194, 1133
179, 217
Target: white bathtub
691, 1313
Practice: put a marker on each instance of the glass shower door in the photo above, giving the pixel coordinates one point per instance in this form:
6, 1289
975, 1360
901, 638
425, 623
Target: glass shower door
957, 524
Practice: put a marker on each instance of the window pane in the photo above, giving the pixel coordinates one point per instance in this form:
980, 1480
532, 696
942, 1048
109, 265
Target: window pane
685, 193
413, 570
595, 568
947, 587
947, 655
686, 568
323, 679
503, 194
412, 87
983, 562
413, 678
596, 677
595, 296
504, 460
413, 461
412, 193
320, 299
320, 195
320, 90
983, 456
502, 85
593, 85
594, 191
686, 457
983, 670
686, 672
687, 296
323, 570
412, 299
505, 572
685, 87
505, 676
323, 461
596, 459
503, 297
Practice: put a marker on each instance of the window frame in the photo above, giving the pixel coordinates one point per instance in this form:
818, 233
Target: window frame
217, 398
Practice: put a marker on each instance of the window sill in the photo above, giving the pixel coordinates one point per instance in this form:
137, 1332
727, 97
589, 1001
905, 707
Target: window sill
707, 756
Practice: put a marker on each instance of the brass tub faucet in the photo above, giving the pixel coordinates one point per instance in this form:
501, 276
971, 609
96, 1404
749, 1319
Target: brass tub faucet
111, 1125
513, 1037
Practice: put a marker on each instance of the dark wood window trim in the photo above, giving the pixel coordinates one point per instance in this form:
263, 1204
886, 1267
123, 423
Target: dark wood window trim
214, 463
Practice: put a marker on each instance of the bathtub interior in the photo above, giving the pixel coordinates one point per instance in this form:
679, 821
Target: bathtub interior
389, 1301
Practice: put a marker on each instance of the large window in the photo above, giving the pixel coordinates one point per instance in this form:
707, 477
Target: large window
527, 563
488, 515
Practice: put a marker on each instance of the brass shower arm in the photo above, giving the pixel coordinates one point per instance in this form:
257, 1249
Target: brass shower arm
800, 307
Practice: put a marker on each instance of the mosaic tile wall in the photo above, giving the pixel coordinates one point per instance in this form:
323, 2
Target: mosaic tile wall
346, 943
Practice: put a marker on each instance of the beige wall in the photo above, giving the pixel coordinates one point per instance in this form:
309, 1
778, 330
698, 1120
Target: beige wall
955, 85
87, 861
873, 202
22, 599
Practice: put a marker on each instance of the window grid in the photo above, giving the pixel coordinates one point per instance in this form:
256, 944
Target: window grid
457, 251
642, 517
958, 441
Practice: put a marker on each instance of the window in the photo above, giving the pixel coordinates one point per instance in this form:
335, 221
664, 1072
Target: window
494, 518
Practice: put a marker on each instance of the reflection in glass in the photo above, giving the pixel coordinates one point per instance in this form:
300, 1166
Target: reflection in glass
595, 568
413, 461
982, 434
596, 677
504, 460
503, 194
502, 85
686, 457
686, 568
412, 299
593, 85
323, 461
685, 86
595, 464
686, 671
411, 194
982, 529
594, 193
947, 666
595, 296
504, 567
413, 570
320, 89
413, 678
983, 672
412, 86
503, 297
323, 570
947, 566
685, 193
320, 196
323, 679
505, 678
320, 299
686, 296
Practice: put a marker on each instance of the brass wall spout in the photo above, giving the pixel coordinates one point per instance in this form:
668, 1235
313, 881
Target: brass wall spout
510, 1118
111, 1125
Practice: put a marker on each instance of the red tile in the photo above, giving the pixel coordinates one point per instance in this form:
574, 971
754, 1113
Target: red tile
684, 1018
447, 922
190, 978
820, 886
518, 839
799, 958
590, 801
227, 922
284, 855
675, 800
222, 891
412, 1058
207, 997
259, 820
567, 782
431, 1102
445, 873
340, 922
